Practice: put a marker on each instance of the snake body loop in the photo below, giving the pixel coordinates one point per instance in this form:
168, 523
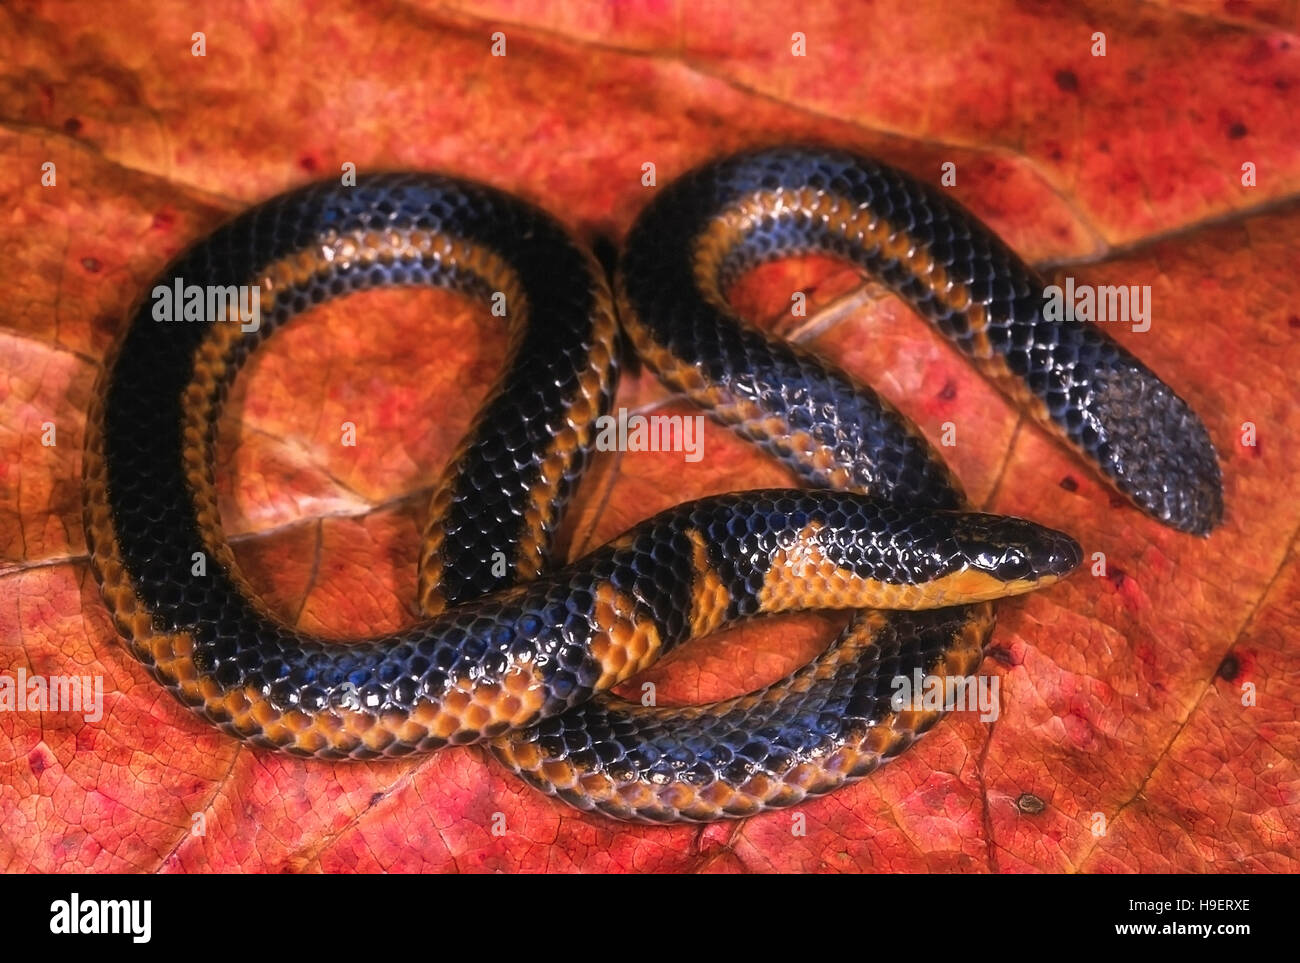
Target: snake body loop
524, 660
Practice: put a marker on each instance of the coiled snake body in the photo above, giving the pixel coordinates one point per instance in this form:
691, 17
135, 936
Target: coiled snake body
524, 661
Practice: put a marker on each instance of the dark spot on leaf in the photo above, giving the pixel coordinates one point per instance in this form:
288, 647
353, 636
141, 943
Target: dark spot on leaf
90, 264
1030, 804
1229, 668
1116, 576
1293, 321
1067, 80
36, 759
948, 391
72, 126
1069, 484
375, 797
1237, 131
307, 163
1001, 655
164, 219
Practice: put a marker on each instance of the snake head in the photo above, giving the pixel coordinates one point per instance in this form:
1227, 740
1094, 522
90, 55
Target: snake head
1015, 550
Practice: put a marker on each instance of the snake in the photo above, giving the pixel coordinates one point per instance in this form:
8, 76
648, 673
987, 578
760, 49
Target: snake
518, 651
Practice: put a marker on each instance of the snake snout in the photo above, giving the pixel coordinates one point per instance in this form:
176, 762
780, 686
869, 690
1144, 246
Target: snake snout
1055, 553
1014, 549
